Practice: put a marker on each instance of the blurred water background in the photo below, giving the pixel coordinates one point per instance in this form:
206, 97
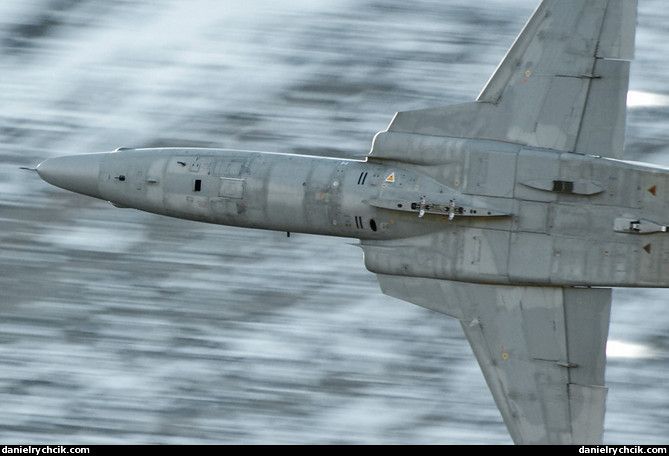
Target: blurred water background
123, 327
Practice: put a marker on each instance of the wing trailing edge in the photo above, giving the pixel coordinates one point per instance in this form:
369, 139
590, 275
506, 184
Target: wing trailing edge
562, 85
541, 350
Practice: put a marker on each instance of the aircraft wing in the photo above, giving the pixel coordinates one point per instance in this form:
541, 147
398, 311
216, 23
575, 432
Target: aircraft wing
562, 85
541, 350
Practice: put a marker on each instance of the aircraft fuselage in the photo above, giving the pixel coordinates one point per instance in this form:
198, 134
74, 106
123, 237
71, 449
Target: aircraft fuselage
489, 212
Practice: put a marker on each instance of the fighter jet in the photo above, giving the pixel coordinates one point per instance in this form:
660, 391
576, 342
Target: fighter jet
515, 213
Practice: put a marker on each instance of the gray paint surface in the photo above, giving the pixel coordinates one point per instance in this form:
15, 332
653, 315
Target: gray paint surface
269, 206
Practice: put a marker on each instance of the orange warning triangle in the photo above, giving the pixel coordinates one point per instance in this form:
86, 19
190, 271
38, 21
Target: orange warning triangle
653, 190
391, 178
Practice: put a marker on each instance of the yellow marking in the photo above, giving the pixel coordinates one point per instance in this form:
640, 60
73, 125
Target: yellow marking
391, 178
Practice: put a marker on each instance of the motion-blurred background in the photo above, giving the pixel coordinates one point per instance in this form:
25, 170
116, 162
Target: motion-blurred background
123, 327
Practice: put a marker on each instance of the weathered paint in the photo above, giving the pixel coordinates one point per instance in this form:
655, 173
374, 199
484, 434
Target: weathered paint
563, 228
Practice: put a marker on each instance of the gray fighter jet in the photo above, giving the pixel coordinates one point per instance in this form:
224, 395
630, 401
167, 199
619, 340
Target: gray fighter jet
514, 214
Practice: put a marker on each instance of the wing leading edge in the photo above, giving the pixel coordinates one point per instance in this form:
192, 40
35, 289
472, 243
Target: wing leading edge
541, 350
562, 85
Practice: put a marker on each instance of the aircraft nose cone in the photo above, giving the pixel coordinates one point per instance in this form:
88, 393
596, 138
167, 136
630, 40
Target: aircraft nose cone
77, 173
